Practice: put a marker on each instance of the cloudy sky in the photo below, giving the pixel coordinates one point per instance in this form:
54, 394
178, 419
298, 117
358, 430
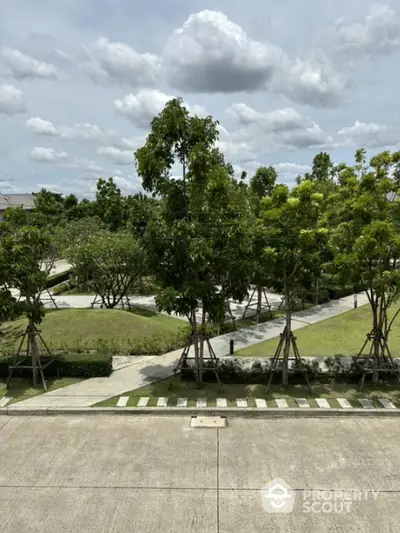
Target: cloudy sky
80, 81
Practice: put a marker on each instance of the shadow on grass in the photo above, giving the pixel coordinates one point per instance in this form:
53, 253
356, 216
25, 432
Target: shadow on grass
142, 311
22, 388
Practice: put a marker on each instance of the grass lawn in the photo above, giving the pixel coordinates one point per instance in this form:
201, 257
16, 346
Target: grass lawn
182, 389
341, 335
112, 330
22, 389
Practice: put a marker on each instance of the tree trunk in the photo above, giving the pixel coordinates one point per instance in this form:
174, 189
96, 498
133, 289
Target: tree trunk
196, 348
32, 347
259, 303
201, 351
288, 331
377, 331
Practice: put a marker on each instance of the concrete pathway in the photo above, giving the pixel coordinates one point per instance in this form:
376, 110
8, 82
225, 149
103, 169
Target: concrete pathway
148, 302
148, 369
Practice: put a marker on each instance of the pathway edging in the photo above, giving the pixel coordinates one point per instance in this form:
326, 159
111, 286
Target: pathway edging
272, 412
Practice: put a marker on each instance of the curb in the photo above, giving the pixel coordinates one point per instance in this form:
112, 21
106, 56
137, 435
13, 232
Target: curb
249, 412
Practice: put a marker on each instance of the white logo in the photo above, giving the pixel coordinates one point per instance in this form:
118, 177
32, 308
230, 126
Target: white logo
278, 497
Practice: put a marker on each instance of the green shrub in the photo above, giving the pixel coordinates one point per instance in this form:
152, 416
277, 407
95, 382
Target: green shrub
71, 365
234, 371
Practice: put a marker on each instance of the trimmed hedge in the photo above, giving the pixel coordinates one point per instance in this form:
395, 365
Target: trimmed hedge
86, 365
233, 371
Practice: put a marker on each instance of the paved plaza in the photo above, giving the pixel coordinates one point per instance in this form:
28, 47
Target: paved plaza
117, 474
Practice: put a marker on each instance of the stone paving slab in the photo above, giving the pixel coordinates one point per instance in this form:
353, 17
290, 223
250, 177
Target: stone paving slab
123, 400
241, 402
162, 402
182, 402
345, 404
322, 403
143, 402
387, 404
365, 403
4, 401
222, 402
302, 403
282, 404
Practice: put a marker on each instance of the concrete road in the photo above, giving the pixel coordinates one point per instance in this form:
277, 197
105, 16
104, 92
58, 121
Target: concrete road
151, 474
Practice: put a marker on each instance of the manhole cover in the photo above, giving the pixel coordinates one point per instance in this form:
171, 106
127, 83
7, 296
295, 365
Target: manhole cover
207, 422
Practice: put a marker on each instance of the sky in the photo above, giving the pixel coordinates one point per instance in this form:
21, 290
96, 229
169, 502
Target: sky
80, 81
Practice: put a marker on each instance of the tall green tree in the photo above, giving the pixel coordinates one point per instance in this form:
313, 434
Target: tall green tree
295, 243
200, 238
30, 255
110, 206
262, 185
263, 181
365, 241
49, 208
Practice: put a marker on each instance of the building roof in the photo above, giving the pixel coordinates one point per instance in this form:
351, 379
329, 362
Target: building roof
27, 201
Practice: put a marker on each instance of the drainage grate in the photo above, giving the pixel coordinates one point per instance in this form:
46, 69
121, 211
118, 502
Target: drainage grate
208, 422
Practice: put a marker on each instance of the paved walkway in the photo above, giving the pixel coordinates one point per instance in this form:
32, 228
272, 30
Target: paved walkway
148, 369
148, 302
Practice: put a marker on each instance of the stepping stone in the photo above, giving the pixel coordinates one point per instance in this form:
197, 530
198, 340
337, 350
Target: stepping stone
143, 402
302, 402
4, 401
282, 404
122, 401
366, 403
182, 402
387, 404
261, 403
241, 402
162, 402
344, 404
222, 402
201, 403
322, 403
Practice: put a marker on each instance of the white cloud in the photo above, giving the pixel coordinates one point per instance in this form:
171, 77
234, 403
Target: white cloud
118, 61
273, 130
286, 119
85, 164
130, 143
315, 81
128, 184
7, 186
378, 34
210, 53
291, 168
141, 108
11, 100
22, 66
84, 132
369, 135
119, 157
47, 155
42, 127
